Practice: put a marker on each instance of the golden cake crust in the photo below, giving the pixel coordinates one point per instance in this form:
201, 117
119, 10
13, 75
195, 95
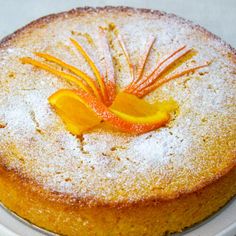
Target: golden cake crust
187, 186
55, 213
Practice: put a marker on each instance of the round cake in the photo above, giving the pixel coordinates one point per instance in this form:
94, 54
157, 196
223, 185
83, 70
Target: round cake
110, 181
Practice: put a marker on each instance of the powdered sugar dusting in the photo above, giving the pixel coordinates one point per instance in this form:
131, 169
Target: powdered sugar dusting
112, 165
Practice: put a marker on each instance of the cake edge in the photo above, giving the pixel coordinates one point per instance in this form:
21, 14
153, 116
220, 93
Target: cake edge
70, 218
5, 41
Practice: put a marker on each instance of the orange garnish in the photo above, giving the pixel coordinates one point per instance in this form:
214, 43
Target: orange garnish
72, 69
132, 105
110, 82
66, 76
74, 112
160, 69
92, 65
143, 92
83, 108
142, 62
117, 119
2, 126
127, 56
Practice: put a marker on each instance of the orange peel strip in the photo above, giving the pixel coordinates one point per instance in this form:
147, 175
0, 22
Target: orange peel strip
119, 120
92, 65
142, 62
110, 82
127, 56
161, 68
72, 69
66, 76
143, 92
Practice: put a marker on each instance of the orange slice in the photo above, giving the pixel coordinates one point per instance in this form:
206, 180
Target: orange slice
132, 105
75, 114
80, 110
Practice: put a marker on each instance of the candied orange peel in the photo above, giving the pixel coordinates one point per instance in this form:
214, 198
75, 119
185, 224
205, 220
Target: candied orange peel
96, 100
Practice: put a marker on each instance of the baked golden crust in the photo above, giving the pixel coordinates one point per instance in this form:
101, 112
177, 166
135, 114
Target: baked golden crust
155, 192
40, 208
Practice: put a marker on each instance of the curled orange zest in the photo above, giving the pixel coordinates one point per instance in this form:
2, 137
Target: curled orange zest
127, 56
110, 83
92, 65
161, 68
72, 69
142, 62
144, 91
66, 76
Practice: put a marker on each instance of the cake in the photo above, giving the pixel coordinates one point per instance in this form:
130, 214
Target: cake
109, 181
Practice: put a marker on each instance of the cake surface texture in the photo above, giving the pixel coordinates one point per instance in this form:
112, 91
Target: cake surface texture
106, 182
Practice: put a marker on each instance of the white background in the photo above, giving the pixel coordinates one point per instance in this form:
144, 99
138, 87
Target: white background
218, 16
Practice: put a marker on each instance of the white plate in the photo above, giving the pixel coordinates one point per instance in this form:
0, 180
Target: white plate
223, 223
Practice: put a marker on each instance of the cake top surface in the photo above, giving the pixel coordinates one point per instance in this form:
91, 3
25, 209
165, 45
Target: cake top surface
196, 147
